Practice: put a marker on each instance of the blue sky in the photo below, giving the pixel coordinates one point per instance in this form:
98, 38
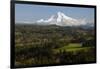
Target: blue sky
31, 13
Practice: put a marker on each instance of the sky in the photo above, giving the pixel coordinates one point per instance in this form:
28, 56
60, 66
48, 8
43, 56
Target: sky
32, 13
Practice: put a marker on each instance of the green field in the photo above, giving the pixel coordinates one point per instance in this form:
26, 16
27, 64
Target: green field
73, 47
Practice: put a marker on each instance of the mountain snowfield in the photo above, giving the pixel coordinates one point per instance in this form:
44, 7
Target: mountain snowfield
61, 19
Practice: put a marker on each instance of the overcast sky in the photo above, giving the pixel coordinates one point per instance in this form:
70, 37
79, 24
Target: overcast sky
32, 13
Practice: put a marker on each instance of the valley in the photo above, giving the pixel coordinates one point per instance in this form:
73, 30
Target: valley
52, 44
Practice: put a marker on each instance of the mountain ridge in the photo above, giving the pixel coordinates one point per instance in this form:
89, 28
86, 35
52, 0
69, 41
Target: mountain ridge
62, 20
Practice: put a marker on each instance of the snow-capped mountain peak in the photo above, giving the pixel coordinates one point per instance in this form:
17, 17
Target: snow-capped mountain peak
62, 20
64, 16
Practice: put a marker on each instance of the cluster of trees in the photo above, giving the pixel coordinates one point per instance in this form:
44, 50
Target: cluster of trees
34, 56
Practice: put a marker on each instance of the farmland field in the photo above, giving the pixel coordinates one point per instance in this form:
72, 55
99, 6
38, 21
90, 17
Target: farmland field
44, 45
74, 47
